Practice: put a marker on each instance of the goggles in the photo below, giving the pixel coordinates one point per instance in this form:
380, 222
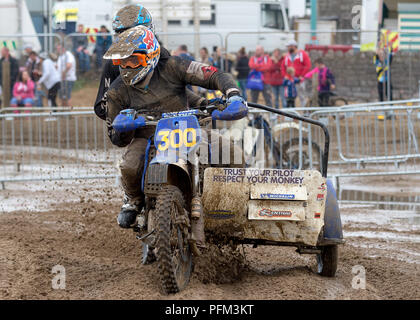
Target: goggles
136, 60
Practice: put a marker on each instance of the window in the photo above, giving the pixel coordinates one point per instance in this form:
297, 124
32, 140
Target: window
272, 16
174, 22
308, 7
212, 20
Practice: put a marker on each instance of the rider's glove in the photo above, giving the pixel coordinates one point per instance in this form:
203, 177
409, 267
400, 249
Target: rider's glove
125, 121
236, 108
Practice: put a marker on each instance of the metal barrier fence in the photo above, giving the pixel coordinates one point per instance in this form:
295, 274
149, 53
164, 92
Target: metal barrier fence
373, 139
43, 109
364, 141
55, 146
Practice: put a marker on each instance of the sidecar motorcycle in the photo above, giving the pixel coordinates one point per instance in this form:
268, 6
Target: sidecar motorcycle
282, 207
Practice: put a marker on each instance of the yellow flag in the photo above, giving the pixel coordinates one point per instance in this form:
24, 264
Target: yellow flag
390, 39
371, 46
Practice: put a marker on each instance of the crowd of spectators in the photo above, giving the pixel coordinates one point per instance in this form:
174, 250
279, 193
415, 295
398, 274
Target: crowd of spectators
85, 58
37, 77
279, 77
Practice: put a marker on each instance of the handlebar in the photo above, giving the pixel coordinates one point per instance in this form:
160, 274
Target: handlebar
129, 122
131, 119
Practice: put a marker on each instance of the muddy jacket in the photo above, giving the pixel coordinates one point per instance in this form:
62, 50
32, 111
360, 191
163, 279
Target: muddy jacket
112, 72
164, 92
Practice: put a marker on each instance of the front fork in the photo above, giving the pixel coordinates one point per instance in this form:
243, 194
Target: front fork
197, 219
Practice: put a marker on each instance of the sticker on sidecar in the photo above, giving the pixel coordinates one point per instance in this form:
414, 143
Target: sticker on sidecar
273, 191
221, 214
276, 196
259, 176
276, 210
274, 213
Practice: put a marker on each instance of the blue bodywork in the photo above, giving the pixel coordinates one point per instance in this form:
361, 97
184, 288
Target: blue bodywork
175, 137
332, 221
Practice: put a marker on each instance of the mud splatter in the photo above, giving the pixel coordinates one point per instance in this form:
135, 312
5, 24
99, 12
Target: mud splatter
220, 265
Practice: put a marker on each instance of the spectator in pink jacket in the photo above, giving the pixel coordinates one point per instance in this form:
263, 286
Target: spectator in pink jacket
23, 92
326, 82
262, 62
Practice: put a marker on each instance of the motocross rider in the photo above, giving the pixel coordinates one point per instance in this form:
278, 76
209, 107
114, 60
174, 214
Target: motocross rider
151, 82
126, 18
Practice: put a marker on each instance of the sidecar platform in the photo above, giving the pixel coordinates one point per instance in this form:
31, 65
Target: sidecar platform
271, 206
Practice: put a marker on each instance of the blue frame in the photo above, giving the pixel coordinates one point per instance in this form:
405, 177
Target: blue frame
146, 162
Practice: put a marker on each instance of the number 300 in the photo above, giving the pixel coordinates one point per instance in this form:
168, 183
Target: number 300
169, 138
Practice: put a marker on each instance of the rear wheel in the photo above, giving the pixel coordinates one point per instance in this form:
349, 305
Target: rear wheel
174, 258
290, 152
327, 260
272, 154
338, 102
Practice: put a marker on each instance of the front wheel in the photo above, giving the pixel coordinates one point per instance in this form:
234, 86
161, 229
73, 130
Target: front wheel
327, 260
174, 258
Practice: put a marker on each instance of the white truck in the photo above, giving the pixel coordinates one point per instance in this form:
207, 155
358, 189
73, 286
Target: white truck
15, 19
218, 18
265, 23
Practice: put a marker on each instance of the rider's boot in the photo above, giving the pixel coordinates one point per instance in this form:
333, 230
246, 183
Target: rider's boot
129, 211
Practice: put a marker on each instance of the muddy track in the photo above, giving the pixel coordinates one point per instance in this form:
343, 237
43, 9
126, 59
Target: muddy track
103, 262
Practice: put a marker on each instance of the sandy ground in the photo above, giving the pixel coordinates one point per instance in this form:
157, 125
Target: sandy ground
73, 224
85, 97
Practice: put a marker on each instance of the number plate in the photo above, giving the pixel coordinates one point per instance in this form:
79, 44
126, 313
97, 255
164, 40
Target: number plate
176, 137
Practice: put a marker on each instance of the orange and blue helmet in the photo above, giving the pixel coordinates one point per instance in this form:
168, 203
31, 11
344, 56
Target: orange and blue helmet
131, 16
136, 51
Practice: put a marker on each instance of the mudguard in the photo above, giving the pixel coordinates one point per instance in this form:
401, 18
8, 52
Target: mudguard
333, 231
159, 174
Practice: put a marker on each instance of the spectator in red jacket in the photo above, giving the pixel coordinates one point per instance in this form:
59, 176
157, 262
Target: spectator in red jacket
276, 78
262, 62
300, 61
